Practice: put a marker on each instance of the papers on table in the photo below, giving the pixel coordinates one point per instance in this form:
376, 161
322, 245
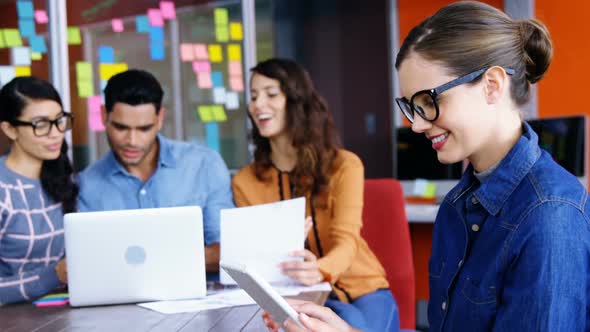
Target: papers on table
262, 236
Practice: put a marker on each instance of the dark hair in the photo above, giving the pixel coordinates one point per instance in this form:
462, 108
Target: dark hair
309, 124
133, 87
56, 175
468, 35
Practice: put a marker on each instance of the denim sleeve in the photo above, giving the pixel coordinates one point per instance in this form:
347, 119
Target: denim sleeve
219, 196
546, 285
29, 285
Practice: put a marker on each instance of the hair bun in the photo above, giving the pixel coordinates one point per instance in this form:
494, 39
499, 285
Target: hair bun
537, 48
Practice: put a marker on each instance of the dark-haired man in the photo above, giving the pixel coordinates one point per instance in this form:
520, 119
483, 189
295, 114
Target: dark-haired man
145, 169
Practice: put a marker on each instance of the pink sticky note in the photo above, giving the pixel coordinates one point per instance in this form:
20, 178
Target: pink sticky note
236, 83
52, 303
94, 114
41, 16
155, 17
204, 81
168, 10
187, 52
201, 52
235, 68
201, 67
117, 24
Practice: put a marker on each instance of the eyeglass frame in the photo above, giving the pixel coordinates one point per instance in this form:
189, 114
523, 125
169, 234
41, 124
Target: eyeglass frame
52, 123
433, 93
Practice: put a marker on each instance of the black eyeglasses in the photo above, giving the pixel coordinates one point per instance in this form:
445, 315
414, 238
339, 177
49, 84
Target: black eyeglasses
425, 102
42, 127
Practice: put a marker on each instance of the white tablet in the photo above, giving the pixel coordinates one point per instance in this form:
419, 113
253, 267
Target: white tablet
262, 292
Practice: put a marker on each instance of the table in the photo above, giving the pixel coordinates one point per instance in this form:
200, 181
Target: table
26, 317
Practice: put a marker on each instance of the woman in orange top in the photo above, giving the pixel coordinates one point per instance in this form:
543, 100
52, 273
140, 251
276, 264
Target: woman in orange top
297, 155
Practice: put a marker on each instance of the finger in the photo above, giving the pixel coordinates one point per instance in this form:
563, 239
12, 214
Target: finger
313, 310
307, 265
291, 326
295, 302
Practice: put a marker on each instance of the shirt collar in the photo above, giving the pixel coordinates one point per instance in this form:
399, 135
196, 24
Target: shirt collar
165, 157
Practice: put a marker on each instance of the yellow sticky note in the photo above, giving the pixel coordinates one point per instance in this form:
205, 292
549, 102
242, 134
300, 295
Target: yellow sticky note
220, 15
218, 113
430, 191
83, 71
22, 71
2, 42
215, 53
85, 89
234, 52
12, 38
235, 31
74, 36
108, 70
36, 56
205, 113
221, 33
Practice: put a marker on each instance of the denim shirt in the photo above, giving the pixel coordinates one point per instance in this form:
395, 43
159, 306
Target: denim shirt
512, 253
186, 174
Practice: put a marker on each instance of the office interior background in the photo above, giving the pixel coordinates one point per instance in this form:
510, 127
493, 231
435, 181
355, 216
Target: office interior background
201, 52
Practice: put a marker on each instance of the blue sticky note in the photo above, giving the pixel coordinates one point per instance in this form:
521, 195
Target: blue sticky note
106, 54
157, 50
142, 24
156, 34
38, 44
25, 9
26, 27
217, 79
212, 135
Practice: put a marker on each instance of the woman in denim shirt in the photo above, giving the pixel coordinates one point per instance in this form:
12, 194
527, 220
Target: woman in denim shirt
511, 242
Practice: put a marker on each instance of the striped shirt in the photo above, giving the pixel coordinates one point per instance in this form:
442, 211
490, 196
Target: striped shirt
31, 238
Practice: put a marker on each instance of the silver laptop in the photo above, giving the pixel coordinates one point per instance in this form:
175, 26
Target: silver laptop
128, 256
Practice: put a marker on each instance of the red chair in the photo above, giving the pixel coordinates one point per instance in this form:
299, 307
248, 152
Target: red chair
386, 230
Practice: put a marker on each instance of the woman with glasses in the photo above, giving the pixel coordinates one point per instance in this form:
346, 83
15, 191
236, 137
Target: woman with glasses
36, 189
511, 242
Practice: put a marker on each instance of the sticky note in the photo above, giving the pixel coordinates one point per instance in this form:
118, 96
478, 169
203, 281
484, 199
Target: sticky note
83, 71
187, 52
201, 67
117, 25
430, 190
220, 16
234, 52
201, 52
25, 9
106, 54
142, 24
236, 83
212, 136
2, 42
419, 187
205, 113
85, 88
38, 44
56, 295
217, 78
94, 103
219, 95
155, 17
235, 31
156, 34
41, 16
204, 81
157, 52
218, 113
234, 68
26, 27
74, 36
12, 37
168, 10
215, 53
20, 71
55, 303
20, 56
36, 56
221, 33
108, 70
232, 101
7, 73
94, 114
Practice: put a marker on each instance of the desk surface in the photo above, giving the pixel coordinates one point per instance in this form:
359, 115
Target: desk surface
26, 317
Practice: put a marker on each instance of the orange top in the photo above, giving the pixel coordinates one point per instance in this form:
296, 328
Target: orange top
344, 258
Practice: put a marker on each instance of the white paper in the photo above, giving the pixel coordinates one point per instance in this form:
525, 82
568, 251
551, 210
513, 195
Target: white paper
7, 73
21, 56
262, 236
232, 101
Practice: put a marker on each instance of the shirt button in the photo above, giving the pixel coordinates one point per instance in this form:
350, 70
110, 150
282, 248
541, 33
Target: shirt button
474, 200
444, 305
460, 263
142, 191
475, 227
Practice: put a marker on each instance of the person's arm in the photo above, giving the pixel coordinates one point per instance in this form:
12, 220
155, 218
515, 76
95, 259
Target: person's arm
29, 285
546, 287
239, 197
219, 197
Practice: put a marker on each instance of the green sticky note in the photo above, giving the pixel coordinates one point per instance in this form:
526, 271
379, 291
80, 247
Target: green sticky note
84, 71
205, 114
430, 191
12, 38
2, 42
74, 36
54, 296
220, 16
222, 33
85, 89
36, 56
218, 113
